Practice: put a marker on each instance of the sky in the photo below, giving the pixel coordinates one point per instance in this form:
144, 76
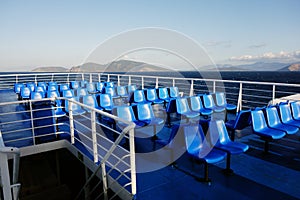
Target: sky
36, 33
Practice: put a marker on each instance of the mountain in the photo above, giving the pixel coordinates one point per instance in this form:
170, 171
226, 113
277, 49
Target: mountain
292, 67
50, 69
117, 66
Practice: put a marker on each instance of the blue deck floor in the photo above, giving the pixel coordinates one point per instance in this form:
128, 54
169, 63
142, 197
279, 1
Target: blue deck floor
257, 175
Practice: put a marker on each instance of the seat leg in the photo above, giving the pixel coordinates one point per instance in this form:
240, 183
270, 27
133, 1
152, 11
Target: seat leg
228, 170
154, 137
266, 149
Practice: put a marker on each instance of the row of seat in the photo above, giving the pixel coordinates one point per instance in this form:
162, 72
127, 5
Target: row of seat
274, 122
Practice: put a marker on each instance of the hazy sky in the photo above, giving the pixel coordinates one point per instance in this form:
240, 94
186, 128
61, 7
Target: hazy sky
65, 32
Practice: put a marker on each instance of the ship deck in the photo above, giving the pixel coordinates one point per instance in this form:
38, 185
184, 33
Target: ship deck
256, 175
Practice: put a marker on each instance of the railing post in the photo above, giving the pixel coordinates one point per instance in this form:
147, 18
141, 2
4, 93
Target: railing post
52, 77
104, 180
156, 82
99, 77
273, 93
142, 82
118, 80
17, 78
214, 87
91, 78
239, 104
108, 77
68, 79
32, 124
71, 119
94, 136
82, 77
132, 161
192, 88
129, 80
173, 82
5, 179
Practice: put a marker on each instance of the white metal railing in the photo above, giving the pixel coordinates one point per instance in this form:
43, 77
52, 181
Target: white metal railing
85, 132
245, 94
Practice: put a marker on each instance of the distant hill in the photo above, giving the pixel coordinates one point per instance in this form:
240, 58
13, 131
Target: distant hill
117, 66
291, 67
50, 69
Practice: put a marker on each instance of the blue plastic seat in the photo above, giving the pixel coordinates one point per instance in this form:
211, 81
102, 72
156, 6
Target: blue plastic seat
53, 93
131, 88
36, 95
76, 108
41, 90
17, 87
83, 83
241, 121
146, 115
163, 94
173, 92
261, 129
80, 92
100, 86
171, 108
274, 121
31, 86
90, 100
57, 110
183, 109
42, 84
74, 85
139, 97
109, 84
111, 91
209, 103
221, 101
106, 102
196, 106
219, 138
63, 87
152, 96
126, 113
25, 93
68, 93
295, 107
91, 88
52, 87
286, 115
122, 93
199, 148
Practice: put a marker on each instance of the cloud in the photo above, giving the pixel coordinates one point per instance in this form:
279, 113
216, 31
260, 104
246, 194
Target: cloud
257, 46
270, 56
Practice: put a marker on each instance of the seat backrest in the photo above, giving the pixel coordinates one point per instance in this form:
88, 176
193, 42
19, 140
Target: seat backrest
145, 111
272, 116
25, 92
195, 139
163, 93
52, 87
81, 92
105, 100
74, 85
75, 106
295, 106
31, 86
208, 101
220, 98
131, 88
195, 103
125, 112
63, 87
109, 84
121, 90
17, 87
285, 112
42, 84
68, 93
242, 120
99, 86
110, 90
40, 89
90, 87
36, 95
258, 120
90, 100
218, 132
51, 94
138, 96
173, 92
151, 94
182, 105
